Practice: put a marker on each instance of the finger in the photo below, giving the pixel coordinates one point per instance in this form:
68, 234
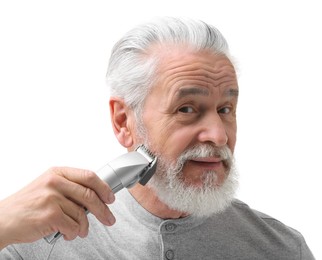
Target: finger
87, 198
88, 179
78, 214
61, 222
69, 228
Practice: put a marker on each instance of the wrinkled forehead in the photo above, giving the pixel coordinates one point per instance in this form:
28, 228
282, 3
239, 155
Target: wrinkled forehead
179, 67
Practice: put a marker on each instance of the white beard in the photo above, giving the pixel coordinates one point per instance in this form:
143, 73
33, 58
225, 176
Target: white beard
200, 201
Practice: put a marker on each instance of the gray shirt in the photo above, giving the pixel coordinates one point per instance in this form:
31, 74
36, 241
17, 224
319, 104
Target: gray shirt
237, 233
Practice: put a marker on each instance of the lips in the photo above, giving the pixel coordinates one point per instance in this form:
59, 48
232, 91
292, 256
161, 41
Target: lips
207, 159
210, 163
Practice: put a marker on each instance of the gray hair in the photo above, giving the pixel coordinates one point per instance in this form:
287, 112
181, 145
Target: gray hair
132, 68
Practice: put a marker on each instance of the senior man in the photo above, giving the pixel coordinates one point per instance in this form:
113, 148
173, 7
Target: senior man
174, 89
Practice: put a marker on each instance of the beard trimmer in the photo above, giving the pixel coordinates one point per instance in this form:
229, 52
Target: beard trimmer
124, 172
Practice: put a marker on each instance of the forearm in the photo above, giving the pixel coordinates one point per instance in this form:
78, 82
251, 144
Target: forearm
2, 245
4, 241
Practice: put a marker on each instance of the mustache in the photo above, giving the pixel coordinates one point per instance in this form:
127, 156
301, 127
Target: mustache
206, 150
202, 151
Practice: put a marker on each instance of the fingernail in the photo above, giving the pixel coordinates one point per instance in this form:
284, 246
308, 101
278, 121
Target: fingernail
111, 197
111, 219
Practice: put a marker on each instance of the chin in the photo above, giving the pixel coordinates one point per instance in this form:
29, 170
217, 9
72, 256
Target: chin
193, 186
200, 199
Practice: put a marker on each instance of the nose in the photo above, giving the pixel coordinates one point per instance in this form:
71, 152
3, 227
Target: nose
213, 130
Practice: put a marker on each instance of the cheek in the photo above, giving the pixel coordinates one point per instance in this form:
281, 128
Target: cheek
172, 141
232, 137
164, 135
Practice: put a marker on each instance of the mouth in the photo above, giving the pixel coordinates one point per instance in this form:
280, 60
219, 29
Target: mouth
196, 170
208, 163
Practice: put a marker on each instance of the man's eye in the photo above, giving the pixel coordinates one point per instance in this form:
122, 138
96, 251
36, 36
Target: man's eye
225, 110
186, 110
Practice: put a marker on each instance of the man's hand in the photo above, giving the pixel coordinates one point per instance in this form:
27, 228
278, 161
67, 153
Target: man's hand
55, 202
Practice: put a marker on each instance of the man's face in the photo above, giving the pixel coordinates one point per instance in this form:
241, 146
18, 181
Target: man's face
193, 103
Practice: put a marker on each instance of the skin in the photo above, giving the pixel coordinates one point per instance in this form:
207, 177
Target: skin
51, 203
194, 101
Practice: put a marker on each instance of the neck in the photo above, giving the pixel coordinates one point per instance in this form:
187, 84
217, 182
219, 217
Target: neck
147, 198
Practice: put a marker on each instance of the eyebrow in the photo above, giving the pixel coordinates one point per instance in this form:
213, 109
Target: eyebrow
192, 91
232, 92
183, 92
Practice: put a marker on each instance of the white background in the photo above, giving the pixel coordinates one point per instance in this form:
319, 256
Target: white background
54, 102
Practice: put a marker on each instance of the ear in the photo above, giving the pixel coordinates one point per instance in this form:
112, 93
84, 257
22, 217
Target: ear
121, 121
